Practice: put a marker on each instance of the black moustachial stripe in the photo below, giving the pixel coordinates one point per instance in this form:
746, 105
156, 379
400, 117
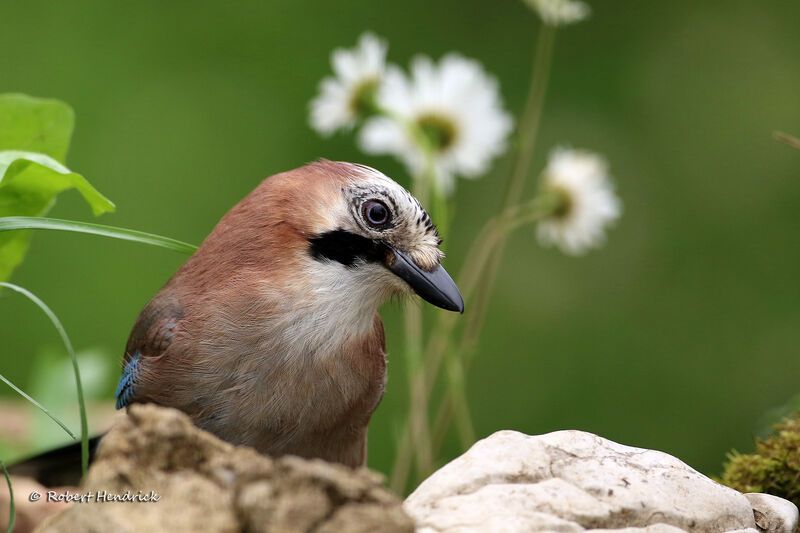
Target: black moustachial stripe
346, 248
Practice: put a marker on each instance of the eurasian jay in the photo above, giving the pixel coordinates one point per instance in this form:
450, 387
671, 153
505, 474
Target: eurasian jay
269, 335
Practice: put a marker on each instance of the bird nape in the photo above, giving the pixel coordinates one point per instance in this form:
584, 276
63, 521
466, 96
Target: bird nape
269, 335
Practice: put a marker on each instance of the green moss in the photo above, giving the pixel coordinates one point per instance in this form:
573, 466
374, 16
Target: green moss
774, 468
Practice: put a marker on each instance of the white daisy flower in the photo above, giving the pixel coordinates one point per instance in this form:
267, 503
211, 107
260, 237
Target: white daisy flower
560, 12
588, 203
455, 105
348, 96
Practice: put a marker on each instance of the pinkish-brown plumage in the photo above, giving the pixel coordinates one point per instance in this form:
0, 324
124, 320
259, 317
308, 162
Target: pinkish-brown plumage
269, 335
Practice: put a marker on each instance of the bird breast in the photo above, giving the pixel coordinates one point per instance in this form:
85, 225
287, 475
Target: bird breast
298, 360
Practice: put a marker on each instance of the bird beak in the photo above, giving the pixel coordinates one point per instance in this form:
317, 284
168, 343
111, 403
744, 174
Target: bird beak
435, 287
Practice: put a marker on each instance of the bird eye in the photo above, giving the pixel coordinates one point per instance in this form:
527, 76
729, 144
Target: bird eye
376, 213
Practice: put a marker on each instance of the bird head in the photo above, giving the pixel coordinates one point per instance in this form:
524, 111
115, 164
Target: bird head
324, 244
374, 229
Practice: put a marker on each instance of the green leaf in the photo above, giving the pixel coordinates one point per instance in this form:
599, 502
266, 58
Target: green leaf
29, 184
24, 223
35, 125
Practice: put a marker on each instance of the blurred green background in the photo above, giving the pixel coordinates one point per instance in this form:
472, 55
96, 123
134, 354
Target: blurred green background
679, 335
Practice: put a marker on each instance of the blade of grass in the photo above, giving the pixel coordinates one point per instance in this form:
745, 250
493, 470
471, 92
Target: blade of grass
20, 223
68, 345
41, 407
11, 510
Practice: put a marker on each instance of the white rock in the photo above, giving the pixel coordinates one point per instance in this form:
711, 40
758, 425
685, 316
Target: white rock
511, 482
516, 507
773, 514
655, 528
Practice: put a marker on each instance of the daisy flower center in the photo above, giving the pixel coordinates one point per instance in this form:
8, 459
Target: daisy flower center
362, 97
439, 130
562, 202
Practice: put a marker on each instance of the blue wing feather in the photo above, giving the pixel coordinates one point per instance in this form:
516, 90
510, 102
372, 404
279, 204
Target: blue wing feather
125, 388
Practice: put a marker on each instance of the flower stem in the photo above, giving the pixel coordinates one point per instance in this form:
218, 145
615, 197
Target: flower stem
541, 207
457, 361
418, 424
490, 243
482, 252
436, 350
528, 130
418, 405
531, 115
480, 270
794, 142
457, 389
402, 460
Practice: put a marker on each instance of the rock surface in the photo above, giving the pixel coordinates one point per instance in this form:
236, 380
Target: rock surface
570, 481
204, 484
773, 514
